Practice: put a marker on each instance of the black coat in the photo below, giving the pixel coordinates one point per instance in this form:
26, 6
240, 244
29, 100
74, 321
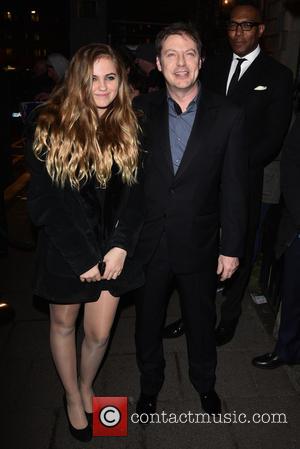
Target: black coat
77, 228
290, 184
208, 188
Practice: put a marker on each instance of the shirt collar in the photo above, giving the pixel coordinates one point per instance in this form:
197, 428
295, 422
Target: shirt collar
192, 104
250, 56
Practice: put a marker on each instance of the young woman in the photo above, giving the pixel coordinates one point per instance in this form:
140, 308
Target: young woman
85, 198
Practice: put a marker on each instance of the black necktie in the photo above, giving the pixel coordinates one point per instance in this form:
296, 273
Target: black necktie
235, 77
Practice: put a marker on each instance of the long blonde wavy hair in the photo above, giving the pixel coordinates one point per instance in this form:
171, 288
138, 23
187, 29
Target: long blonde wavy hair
75, 142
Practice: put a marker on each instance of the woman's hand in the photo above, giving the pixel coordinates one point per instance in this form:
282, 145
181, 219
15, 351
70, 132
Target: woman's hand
114, 262
92, 275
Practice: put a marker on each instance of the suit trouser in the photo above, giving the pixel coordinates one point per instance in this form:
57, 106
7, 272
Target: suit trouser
288, 344
196, 292
236, 286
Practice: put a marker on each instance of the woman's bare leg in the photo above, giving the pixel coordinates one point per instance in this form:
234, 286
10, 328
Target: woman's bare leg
98, 320
63, 347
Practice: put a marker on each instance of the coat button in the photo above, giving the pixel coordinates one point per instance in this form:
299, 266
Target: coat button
172, 191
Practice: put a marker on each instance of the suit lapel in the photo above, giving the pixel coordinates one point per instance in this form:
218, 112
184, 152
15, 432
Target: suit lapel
160, 133
202, 127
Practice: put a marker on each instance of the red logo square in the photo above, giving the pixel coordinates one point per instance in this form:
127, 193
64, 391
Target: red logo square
110, 416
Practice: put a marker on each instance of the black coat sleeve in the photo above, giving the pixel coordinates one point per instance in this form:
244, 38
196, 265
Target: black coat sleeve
131, 217
234, 191
132, 212
60, 212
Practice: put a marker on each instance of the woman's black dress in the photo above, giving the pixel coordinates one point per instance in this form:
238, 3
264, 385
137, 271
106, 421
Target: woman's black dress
77, 228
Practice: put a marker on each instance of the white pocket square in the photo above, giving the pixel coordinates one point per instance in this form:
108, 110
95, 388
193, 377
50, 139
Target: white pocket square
261, 88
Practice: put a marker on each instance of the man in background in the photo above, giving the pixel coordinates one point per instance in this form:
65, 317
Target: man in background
287, 349
145, 59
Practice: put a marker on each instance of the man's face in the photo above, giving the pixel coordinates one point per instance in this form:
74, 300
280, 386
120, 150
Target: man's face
179, 62
244, 42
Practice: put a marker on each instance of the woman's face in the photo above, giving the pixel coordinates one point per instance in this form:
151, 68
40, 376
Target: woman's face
105, 83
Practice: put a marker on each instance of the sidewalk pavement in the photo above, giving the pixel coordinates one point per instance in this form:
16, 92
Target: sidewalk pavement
31, 394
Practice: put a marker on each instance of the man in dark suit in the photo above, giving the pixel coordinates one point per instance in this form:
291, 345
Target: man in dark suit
195, 173
263, 88
287, 350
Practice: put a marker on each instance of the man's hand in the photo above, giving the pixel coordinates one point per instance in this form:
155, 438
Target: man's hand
114, 262
92, 275
227, 266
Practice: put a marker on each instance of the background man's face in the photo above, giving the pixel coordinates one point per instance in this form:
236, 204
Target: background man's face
244, 42
179, 62
144, 65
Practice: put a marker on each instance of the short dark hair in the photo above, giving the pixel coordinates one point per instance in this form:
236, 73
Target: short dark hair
180, 28
251, 4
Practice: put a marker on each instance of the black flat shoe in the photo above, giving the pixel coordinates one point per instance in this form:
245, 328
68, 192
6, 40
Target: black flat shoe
211, 403
83, 435
268, 361
174, 330
225, 331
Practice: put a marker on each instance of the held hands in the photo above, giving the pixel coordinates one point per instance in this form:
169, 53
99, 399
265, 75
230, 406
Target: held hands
227, 266
114, 262
92, 275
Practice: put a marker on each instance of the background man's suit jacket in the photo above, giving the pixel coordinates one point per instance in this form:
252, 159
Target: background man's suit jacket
265, 93
208, 188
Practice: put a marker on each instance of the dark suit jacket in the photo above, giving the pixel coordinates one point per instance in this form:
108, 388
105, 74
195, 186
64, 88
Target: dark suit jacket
267, 112
290, 185
77, 228
208, 188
